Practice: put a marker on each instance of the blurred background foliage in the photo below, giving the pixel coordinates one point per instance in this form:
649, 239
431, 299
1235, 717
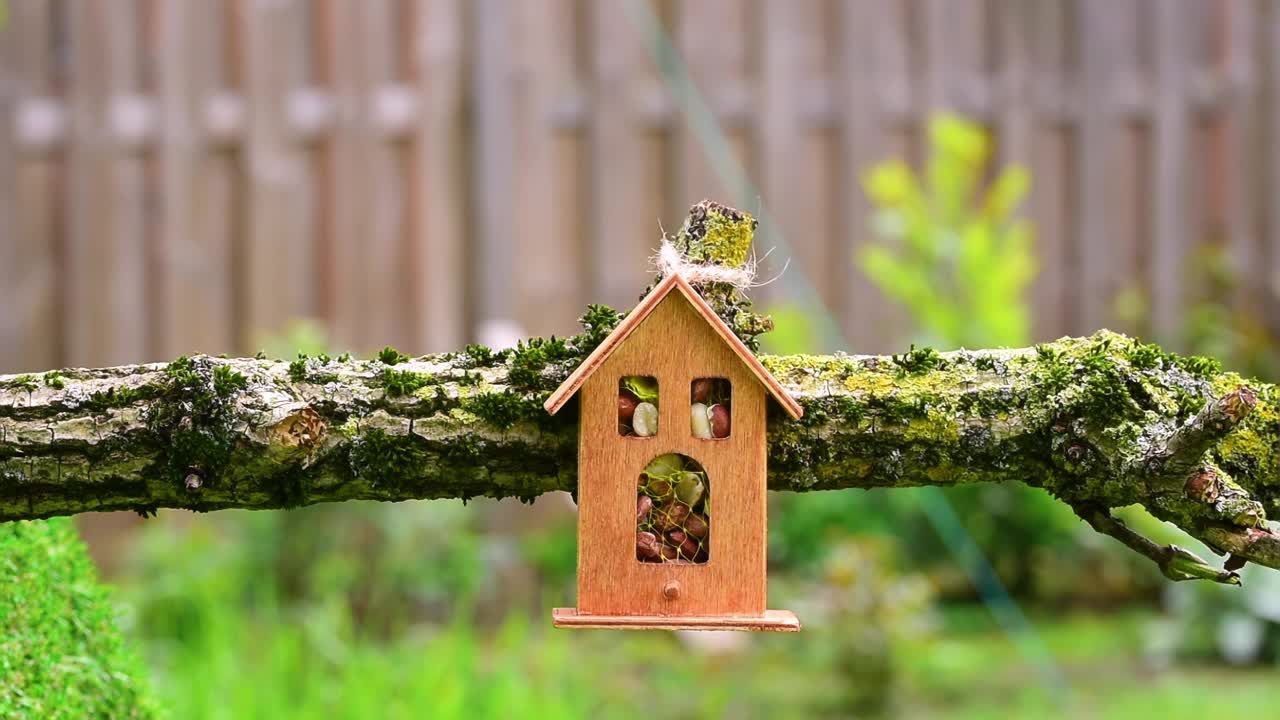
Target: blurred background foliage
364, 610
345, 177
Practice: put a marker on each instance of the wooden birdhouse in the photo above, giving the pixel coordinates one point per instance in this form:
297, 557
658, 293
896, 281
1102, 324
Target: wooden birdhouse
672, 473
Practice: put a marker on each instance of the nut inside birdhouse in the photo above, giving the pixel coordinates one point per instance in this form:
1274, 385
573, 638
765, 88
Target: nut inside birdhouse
638, 406
673, 511
710, 408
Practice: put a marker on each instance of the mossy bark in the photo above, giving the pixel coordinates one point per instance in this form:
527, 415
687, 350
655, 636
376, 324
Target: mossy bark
1099, 422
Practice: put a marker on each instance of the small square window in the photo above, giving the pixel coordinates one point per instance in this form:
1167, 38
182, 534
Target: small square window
638, 406
711, 408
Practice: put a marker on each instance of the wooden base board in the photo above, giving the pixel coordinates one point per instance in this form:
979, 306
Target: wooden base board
771, 621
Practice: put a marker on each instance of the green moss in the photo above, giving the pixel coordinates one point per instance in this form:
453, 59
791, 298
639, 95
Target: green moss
918, 360
530, 358
985, 363
305, 369
1142, 356
227, 381
392, 356
181, 371
502, 410
715, 233
54, 379
1107, 395
1200, 367
597, 322
387, 460
479, 356
117, 397
191, 418
62, 655
22, 383
1250, 450
298, 369
399, 383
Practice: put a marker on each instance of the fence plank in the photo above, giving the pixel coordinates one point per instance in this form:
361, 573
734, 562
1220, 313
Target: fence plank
106, 293
793, 169
195, 300
344, 183
1104, 164
873, 69
437, 222
626, 209
1172, 212
956, 40
1015, 116
362, 185
493, 269
711, 36
553, 271
1269, 151
277, 256
39, 242
1241, 143
12, 292
1052, 296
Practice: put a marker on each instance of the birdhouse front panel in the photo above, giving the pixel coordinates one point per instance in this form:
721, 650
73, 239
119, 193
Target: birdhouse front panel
674, 346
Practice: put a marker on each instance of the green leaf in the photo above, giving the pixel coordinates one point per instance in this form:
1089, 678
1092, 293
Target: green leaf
890, 183
644, 388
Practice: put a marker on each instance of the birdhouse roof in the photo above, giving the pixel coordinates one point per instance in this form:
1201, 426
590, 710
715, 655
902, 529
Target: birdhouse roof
637, 316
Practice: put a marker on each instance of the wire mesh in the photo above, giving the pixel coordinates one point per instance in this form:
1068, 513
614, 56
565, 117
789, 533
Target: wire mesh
673, 511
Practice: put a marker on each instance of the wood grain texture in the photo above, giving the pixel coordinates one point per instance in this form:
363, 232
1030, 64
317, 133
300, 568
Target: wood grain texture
637, 316
675, 345
771, 621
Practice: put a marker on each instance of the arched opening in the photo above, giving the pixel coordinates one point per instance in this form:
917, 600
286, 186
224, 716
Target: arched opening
673, 511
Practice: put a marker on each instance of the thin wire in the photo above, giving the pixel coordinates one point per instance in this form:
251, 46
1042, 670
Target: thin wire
937, 508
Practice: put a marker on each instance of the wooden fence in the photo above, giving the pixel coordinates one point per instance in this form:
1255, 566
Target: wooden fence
189, 175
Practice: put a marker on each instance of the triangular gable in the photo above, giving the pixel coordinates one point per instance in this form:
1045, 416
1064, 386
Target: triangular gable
637, 316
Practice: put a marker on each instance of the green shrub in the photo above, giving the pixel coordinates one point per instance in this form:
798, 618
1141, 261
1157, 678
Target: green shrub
953, 253
61, 653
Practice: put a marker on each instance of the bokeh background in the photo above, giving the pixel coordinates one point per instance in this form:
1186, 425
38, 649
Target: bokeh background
228, 176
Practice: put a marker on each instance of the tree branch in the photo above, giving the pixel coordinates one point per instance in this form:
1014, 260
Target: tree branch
1183, 452
1077, 417
1099, 422
1175, 563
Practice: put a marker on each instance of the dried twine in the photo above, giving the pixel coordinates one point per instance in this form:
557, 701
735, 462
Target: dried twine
670, 261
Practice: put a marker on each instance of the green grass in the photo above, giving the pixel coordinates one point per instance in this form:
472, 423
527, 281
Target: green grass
61, 653
288, 667
970, 671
